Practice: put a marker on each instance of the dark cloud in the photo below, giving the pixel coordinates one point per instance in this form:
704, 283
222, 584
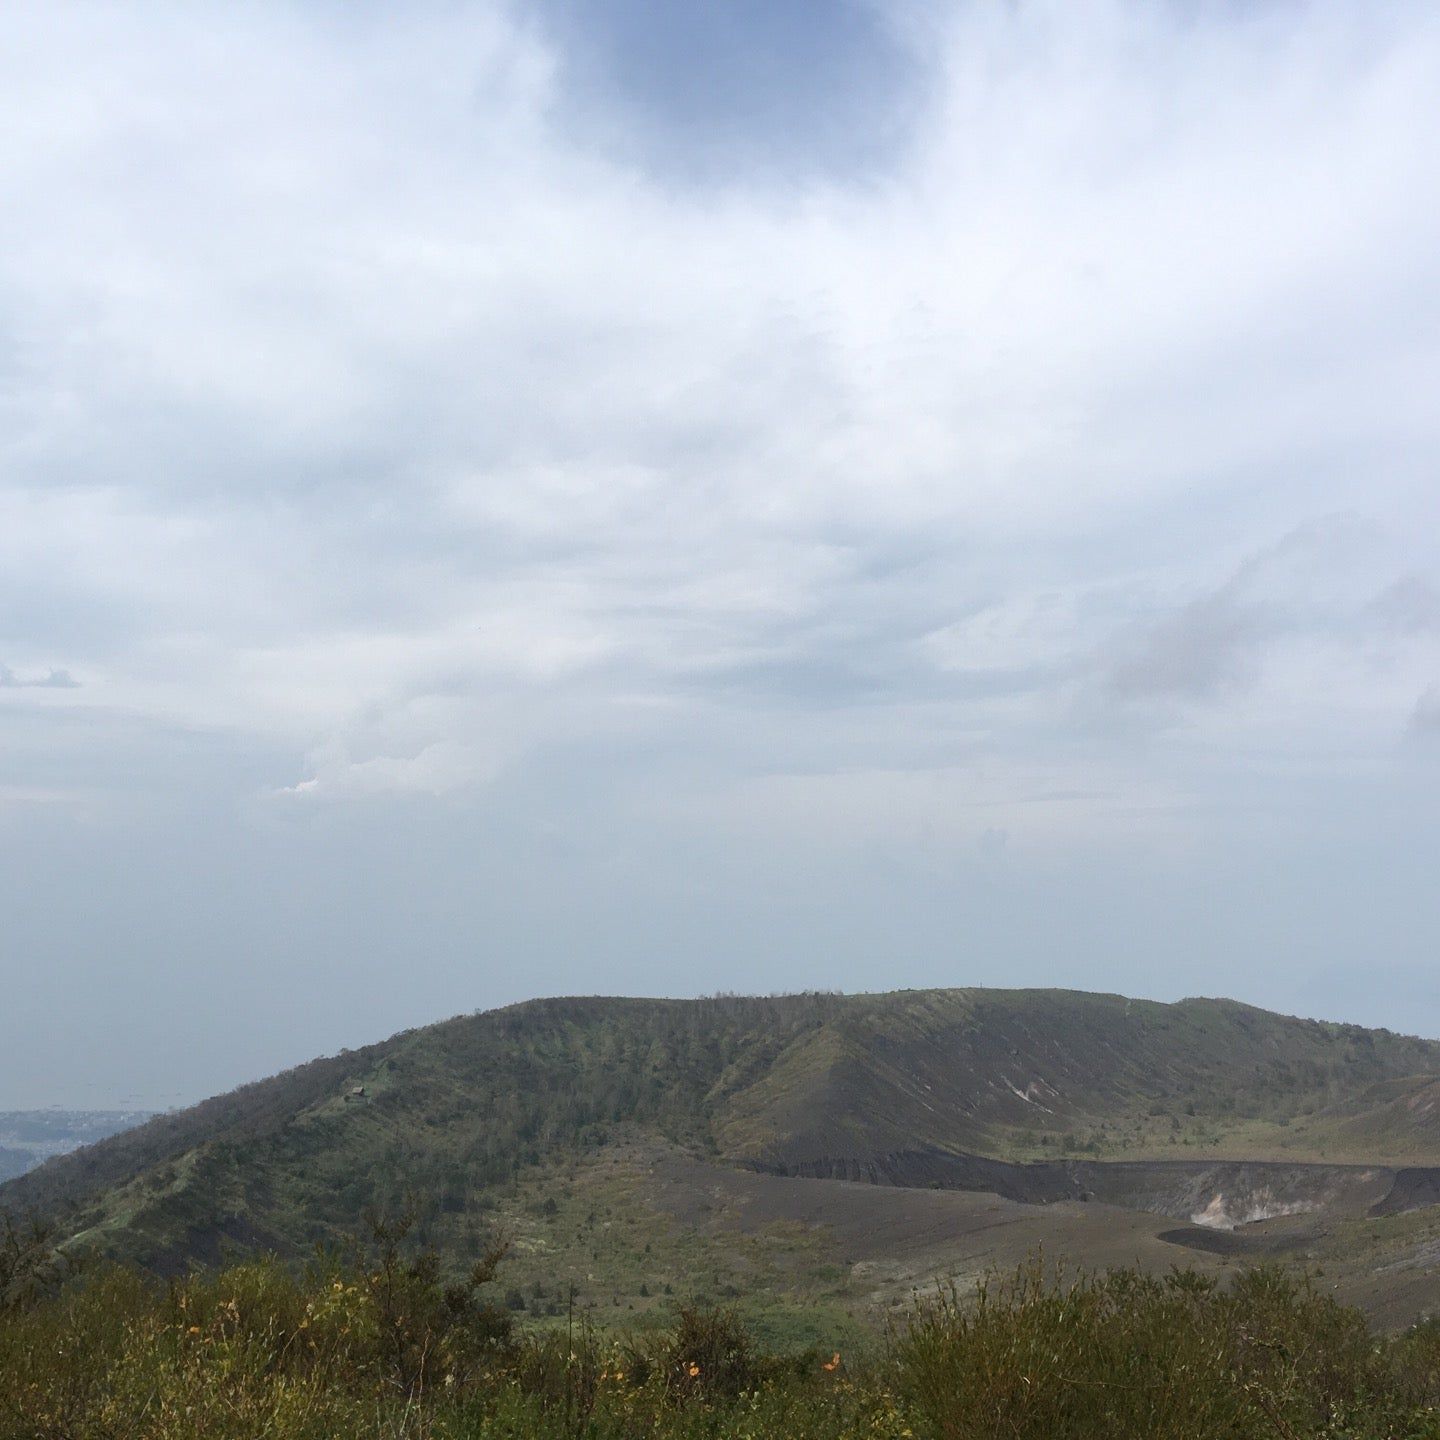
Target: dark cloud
1425, 718
1301, 589
1410, 606
1203, 649
699, 91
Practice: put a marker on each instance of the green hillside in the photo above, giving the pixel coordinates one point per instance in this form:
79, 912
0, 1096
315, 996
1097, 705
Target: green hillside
552, 1119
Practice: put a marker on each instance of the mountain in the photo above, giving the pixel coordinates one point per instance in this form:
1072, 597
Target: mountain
590, 1129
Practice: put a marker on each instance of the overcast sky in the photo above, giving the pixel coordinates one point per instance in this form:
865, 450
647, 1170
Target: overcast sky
678, 496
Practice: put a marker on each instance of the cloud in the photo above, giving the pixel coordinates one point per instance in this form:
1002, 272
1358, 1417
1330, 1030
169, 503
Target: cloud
1308, 612
757, 92
399, 382
413, 418
1202, 649
51, 680
437, 769
1410, 606
1211, 644
1425, 720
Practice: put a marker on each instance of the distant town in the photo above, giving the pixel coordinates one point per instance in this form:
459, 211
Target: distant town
30, 1137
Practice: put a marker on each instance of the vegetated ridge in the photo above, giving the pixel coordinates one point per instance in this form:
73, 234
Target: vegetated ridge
900, 1087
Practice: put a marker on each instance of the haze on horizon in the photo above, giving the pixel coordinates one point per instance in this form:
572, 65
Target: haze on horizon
507, 500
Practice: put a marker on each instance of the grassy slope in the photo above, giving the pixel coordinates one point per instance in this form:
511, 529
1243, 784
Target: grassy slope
485, 1116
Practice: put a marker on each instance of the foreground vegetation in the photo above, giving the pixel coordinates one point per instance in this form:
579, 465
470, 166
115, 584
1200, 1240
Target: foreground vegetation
377, 1342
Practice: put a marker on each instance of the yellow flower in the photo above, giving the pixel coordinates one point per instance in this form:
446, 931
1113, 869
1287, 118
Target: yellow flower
692, 1369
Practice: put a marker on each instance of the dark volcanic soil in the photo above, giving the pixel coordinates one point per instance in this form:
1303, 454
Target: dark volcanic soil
1219, 1194
896, 1240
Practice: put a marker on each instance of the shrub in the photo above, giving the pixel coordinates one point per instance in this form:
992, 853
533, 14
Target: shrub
1130, 1355
708, 1355
424, 1329
375, 1343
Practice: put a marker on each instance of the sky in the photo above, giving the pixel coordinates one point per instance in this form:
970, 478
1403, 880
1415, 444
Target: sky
664, 498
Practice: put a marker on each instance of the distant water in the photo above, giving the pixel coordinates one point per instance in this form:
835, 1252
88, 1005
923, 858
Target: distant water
30, 1137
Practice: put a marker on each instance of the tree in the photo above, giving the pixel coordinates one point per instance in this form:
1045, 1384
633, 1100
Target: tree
30, 1268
